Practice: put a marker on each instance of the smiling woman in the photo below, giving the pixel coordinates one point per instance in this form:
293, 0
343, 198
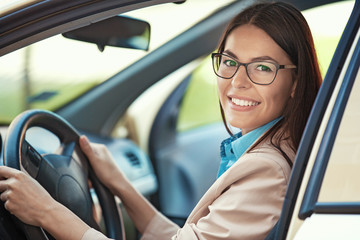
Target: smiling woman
248, 107
272, 39
326, 36
166, 156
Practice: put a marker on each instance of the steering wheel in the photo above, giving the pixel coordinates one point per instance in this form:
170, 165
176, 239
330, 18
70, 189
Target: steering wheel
64, 175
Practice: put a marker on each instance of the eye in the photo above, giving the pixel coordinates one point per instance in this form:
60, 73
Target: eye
230, 63
263, 68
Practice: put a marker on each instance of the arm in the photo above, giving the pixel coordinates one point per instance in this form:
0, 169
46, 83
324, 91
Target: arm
138, 208
31, 203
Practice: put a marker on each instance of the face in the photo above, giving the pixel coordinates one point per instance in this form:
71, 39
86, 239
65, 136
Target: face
247, 105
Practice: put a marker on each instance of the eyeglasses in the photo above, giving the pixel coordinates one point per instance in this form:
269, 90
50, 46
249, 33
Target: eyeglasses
259, 72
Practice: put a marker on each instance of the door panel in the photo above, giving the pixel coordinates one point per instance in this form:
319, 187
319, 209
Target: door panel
330, 227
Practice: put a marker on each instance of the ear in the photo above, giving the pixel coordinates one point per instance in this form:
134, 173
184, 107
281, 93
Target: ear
293, 89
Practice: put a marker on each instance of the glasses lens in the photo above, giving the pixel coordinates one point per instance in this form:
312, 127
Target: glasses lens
262, 72
224, 66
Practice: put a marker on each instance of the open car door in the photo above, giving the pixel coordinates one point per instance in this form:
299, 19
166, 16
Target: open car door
323, 198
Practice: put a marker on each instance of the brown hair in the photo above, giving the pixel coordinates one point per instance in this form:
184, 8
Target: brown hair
289, 29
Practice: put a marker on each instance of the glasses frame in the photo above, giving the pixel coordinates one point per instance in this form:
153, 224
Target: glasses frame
278, 67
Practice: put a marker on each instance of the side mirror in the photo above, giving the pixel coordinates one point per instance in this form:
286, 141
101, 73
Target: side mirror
118, 31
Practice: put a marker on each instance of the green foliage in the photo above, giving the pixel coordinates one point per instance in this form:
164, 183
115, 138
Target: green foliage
200, 105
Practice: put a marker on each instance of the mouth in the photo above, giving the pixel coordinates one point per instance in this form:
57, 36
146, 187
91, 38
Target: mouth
244, 103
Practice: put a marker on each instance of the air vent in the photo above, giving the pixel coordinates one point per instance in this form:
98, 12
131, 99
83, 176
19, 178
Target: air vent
134, 160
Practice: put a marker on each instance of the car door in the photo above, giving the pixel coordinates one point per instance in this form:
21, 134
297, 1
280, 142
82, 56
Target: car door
323, 198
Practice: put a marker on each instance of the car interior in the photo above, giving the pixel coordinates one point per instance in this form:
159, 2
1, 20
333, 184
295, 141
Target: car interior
151, 105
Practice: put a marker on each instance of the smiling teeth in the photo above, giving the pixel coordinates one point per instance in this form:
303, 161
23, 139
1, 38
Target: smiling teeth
243, 103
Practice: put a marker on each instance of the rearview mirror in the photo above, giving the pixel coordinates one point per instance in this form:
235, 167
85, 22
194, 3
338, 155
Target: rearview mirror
118, 31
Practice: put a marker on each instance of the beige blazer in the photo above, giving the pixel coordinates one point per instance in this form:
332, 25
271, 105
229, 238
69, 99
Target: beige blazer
244, 203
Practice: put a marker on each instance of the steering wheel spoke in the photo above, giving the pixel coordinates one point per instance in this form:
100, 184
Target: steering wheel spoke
31, 159
68, 149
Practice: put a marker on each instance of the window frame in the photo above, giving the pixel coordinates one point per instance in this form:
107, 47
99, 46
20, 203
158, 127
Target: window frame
310, 202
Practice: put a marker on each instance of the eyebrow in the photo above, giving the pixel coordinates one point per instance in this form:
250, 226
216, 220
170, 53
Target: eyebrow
260, 58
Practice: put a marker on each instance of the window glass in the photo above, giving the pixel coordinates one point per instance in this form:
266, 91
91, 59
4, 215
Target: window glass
327, 23
200, 105
342, 178
53, 72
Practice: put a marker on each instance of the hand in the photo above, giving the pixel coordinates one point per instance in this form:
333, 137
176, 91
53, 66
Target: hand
23, 196
102, 162
137, 206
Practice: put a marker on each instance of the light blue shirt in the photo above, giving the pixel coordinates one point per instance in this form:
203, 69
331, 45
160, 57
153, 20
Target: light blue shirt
233, 148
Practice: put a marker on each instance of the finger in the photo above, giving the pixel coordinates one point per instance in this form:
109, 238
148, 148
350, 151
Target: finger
7, 172
8, 207
86, 147
3, 185
4, 196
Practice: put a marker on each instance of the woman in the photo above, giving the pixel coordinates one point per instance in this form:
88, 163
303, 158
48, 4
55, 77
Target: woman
268, 78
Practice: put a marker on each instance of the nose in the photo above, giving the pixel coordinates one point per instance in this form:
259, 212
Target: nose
241, 79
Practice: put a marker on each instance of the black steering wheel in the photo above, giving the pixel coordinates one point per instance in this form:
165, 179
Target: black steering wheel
64, 175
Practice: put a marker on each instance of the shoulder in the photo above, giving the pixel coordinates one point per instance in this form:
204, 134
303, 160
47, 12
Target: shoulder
249, 193
259, 175
267, 155
264, 162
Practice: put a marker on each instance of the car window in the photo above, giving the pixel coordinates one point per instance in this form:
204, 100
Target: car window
327, 23
200, 104
53, 72
341, 182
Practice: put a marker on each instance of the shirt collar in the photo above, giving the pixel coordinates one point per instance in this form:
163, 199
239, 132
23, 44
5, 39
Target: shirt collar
233, 148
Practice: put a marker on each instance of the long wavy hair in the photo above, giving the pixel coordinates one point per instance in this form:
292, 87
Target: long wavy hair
288, 28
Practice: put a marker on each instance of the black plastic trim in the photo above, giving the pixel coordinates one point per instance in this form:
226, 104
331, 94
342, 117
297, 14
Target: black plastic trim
337, 208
